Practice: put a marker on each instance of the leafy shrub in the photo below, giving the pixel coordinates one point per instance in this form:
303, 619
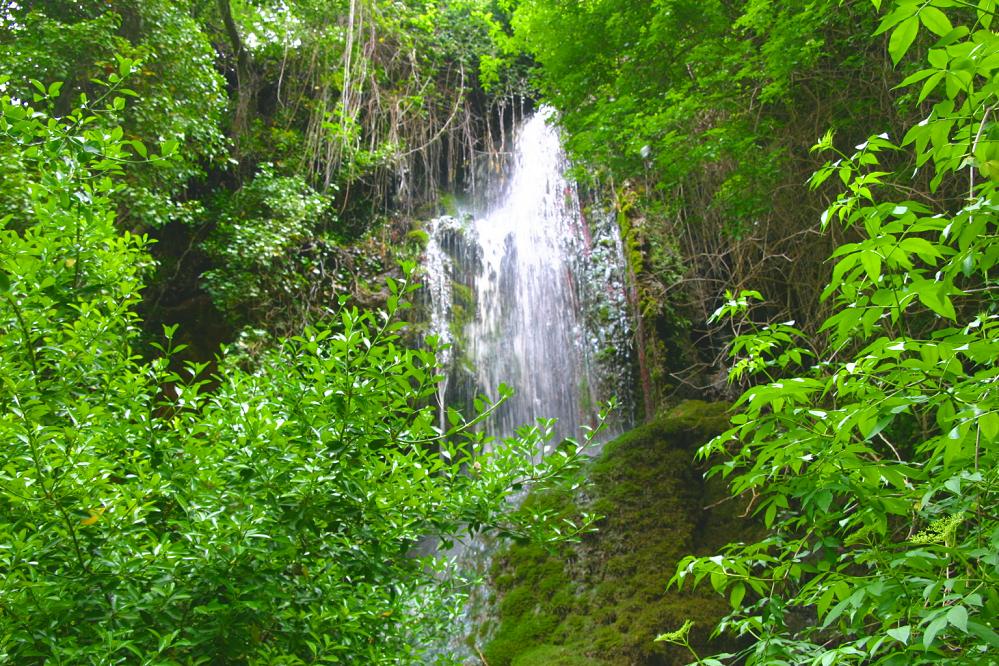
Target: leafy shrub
877, 468
270, 521
258, 236
180, 91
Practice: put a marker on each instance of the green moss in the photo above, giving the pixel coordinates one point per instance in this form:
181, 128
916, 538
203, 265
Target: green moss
551, 655
530, 630
449, 205
419, 237
463, 295
602, 602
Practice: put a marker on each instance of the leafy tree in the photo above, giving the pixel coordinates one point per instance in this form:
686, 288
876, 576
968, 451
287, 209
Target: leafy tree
272, 520
875, 465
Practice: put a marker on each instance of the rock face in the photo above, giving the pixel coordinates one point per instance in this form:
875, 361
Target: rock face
604, 600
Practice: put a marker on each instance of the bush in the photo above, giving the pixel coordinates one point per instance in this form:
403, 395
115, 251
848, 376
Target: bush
263, 244
877, 467
272, 520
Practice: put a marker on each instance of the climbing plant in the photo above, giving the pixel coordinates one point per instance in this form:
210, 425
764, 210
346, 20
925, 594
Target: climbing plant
873, 457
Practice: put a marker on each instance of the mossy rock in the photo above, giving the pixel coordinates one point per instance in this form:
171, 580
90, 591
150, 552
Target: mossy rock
552, 655
603, 601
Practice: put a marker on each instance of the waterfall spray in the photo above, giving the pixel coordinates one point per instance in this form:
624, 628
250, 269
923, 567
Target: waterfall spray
531, 294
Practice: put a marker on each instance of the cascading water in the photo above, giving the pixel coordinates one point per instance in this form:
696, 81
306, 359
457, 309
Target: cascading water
531, 294
528, 292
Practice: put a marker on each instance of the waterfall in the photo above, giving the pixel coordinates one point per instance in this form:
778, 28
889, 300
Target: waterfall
526, 290
530, 293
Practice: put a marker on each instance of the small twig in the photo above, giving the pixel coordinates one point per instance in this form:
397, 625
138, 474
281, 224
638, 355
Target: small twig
27, 337
727, 498
749, 507
893, 449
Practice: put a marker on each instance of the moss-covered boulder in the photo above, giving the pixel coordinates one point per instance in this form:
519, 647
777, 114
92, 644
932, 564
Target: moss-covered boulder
603, 601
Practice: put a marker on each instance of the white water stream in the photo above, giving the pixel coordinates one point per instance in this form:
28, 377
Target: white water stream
531, 294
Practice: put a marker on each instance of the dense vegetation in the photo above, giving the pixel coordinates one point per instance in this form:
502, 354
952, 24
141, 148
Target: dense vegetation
867, 438
250, 169
698, 117
265, 508
301, 130
271, 520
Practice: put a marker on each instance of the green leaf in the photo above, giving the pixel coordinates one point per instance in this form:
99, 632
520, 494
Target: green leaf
899, 13
4, 281
917, 77
902, 37
168, 147
872, 264
935, 20
957, 616
989, 424
736, 596
930, 85
984, 633
901, 634
771, 513
124, 65
925, 249
932, 630
934, 296
986, 12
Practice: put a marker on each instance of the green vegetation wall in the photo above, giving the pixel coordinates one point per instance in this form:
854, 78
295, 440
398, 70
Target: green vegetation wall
296, 129
699, 117
871, 450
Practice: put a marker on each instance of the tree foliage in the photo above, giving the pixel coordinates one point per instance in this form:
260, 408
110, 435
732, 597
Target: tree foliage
375, 107
697, 118
179, 95
874, 463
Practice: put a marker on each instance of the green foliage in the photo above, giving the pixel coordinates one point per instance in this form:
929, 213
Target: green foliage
375, 105
676, 85
269, 521
177, 94
383, 106
876, 468
600, 601
259, 234
699, 115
